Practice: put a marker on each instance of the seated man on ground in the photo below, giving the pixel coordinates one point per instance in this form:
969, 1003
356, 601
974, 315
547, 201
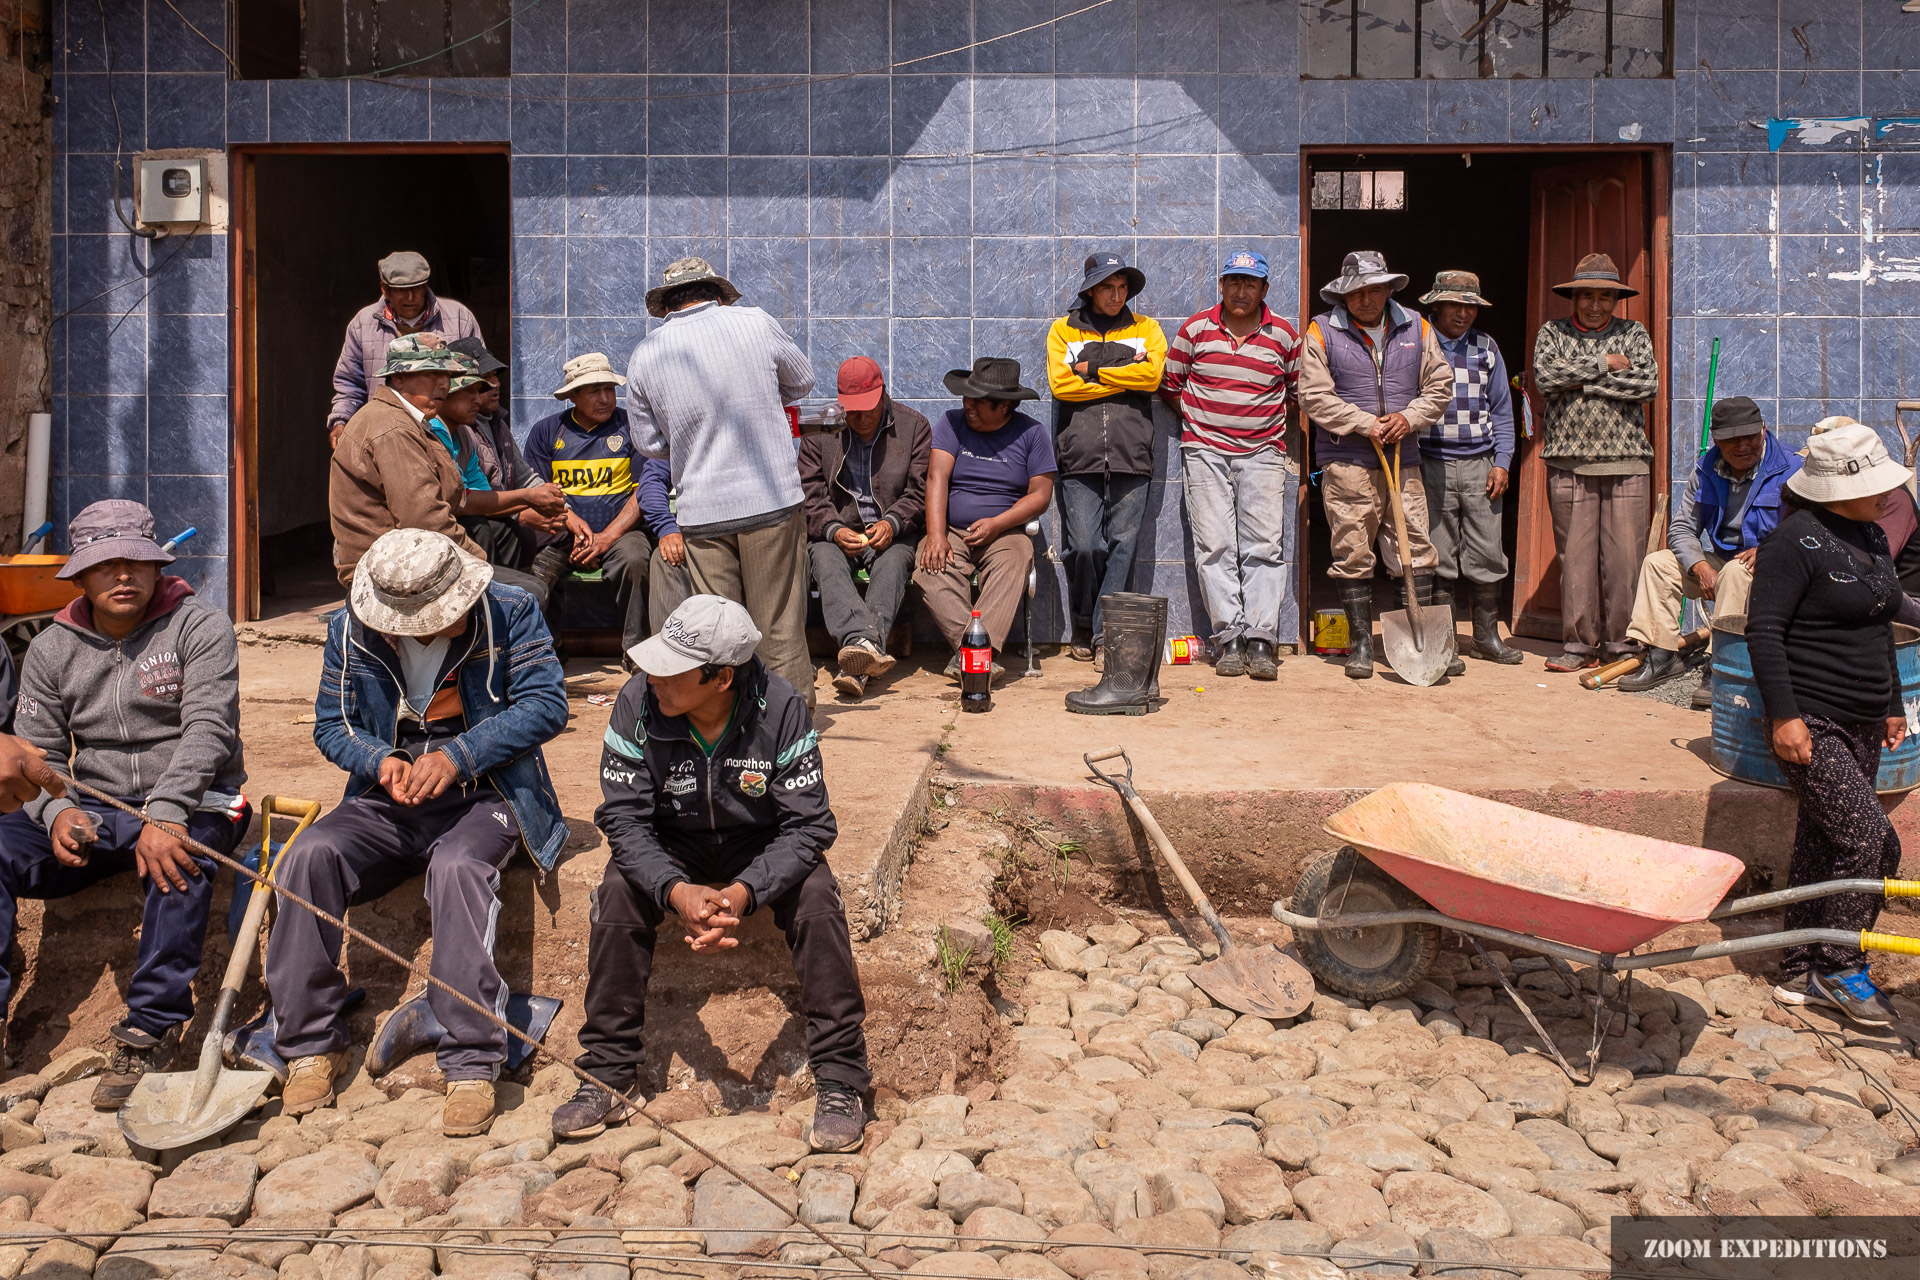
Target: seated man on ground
135, 689
866, 491
485, 507
714, 807
438, 687
1731, 503
992, 470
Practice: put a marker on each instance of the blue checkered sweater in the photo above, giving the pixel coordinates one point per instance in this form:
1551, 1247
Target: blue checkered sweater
1480, 419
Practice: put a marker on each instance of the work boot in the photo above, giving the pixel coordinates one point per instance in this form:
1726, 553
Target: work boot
1136, 629
1080, 647
1232, 660
1657, 666
468, 1109
839, 1116
863, 657
848, 685
1487, 643
1356, 597
1262, 662
1424, 591
135, 1052
309, 1084
587, 1112
953, 671
1703, 696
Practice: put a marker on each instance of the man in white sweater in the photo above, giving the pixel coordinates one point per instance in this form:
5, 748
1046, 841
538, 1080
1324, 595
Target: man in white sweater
707, 391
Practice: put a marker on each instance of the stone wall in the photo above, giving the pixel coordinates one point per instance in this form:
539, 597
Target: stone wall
26, 172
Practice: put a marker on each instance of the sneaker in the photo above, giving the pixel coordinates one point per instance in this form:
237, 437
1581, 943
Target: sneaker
468, 1109
135, 1053
864, 658
587, 1112
839, 1119
1791, 991
848, 685
1852, 992
1571, 661
309, 1084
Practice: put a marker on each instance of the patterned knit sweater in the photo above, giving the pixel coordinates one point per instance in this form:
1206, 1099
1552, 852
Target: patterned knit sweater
1596, 418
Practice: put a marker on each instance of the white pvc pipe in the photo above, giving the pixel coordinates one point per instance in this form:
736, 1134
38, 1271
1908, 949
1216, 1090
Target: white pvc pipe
39, 448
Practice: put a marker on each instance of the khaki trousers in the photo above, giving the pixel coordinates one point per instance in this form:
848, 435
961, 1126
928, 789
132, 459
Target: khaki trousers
1600, 533
1358, 505
765, 570
1664, 585
1003, 565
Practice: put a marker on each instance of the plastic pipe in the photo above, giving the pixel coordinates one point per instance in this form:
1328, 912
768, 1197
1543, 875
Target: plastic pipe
39, 449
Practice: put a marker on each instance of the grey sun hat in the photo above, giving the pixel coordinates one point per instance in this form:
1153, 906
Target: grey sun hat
590, 370
111, 529
414, 582
703, 629
422, 353
688, 271
1849, 461
404, 270
1362, 269
1455, 286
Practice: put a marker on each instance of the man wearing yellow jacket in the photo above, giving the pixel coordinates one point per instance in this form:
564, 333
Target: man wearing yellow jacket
1103, 365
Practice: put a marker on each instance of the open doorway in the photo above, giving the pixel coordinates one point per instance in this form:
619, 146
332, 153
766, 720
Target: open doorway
1519, 218
313, 224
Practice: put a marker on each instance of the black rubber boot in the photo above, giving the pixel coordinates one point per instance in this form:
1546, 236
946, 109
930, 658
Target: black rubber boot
1423, 591
1703, 696
1486, 626
1357, 599
1657, 666
1232, 660
1262, 662
1135, 631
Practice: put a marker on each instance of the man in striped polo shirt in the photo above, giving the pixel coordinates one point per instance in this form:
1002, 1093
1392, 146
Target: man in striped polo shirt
1231, 374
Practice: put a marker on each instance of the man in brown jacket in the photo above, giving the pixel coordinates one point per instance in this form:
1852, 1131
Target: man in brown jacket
866, 502
390, 472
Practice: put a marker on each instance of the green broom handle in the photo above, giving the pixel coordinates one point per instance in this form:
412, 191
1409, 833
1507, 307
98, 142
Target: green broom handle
1706, 414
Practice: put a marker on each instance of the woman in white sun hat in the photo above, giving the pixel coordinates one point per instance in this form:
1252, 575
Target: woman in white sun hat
1820, 630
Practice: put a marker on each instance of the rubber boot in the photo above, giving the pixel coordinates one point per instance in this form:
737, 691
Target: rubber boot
1357, 599
1134, 632
1423, 591
1486, 626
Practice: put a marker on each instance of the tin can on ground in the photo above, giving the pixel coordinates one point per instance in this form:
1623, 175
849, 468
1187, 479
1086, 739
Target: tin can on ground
1183, 651
1330, 631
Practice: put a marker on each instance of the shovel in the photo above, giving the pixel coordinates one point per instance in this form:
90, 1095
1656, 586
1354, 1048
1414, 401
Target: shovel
1420, 642
175, 1108
1262, 980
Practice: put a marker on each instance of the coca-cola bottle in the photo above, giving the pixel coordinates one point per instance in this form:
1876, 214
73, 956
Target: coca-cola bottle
976, 667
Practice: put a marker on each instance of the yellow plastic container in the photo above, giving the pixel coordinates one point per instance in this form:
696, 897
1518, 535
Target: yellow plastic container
1330, 631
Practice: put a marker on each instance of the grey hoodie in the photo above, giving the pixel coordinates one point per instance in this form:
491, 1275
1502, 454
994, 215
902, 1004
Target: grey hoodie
154, 717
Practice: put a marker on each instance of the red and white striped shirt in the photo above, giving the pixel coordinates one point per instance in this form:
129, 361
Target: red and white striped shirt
1233, 392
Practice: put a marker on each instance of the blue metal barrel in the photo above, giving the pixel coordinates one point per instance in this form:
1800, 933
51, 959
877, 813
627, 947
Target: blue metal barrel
1742, 747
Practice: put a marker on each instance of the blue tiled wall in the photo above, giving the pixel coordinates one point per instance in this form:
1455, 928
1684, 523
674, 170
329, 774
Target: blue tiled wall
940, 210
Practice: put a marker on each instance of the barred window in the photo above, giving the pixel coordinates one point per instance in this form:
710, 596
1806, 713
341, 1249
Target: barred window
1351, 189
1484, 39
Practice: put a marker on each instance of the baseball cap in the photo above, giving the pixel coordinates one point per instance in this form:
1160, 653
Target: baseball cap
703, 629
861, 384
1245, 262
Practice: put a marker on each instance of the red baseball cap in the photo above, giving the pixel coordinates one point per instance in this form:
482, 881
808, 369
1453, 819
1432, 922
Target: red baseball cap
861, 384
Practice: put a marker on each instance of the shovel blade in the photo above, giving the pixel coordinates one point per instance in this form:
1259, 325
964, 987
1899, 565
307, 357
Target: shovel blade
160, 1114
1263, 981
1419, 655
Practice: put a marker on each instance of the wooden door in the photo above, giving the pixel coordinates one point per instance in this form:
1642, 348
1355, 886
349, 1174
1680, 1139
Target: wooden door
244, 536
1595, 206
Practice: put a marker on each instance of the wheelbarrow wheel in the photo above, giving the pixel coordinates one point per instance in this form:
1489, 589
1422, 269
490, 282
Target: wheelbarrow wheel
1368, 964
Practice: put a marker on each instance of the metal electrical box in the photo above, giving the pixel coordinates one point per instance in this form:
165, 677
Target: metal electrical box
173, 191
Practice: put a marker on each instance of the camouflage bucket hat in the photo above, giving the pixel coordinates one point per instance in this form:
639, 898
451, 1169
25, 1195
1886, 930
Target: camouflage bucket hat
469, 375
421, 353
1455, 286
414, 582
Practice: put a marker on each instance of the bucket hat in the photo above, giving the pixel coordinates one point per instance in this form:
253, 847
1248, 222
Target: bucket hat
588, 370
703, 629
1455, 286
111, 529
420, 353
1849, 461
414, 582
488, 362
991, 378
688, 271
1596, 271
404, 270
1105, 262
1362, 269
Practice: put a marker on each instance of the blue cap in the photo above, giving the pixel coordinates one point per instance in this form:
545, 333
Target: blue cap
1245, 262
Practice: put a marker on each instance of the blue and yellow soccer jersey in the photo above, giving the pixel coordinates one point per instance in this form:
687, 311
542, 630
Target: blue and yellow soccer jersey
597, 470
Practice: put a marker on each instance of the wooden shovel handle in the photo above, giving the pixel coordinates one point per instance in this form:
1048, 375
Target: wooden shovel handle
1195, 893
1391, 472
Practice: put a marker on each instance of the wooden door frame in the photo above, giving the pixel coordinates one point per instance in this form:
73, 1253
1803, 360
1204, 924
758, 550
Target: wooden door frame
1659, 187
243, 542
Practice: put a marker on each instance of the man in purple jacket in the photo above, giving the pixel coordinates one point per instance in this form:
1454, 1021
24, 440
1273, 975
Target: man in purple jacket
406, 307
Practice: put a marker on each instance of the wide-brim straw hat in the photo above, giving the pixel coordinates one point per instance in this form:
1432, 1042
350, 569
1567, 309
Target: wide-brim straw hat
415, 582
1596, 271
1848, 461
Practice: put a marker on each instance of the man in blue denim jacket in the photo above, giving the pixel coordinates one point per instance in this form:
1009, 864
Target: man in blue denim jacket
436, 692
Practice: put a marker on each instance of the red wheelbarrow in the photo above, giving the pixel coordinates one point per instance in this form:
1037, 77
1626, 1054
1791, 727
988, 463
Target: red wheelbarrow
1417, 859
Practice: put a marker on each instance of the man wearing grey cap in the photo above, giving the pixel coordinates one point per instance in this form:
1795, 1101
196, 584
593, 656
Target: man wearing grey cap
715, 806
406, 307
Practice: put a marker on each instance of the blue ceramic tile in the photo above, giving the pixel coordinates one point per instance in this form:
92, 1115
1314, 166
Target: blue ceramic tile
767, 116
1096, 195
106, 355
1749, 355
1013, 196
932, 115
1820, 193
188, 435
1824, 36
1733, 191
1795, 417
1183, 276
1099, 41
84, 491
847, 276
540, 275
1178, 37
1819, 276
1323, 112
57, 274
197, 501
1550, 110
209, 576
932, 197
832, 341
307, 110
932, 276
1468, 110
539, 191
686, 39
188, 355
605, 276
850, 35
538, 44
1895, 46
1095, 115
924, 351
1633, 110
1387, 111
1890, 93
606, 196
613, 336
687, 115
474, 110
849, 197
104, 273
1895, 289
173, 45
1013, 278
1176, 115
1013, 114
186, 111
605, 115
539, 352
1255, 36
1731, 109
772, 275
1890, 356
89, 113
388, 111
1820, 93
1738, 35
1258, 114
191, 278
769, 36
246, 110
850, 117
83, 48
925, 27
767, 197
602, 35
1031, 51
1259, 195
106, 435
1178, 196
687, 197
1735, 275
539, 119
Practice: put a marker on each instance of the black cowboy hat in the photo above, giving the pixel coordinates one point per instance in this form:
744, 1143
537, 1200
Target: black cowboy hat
991, 378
